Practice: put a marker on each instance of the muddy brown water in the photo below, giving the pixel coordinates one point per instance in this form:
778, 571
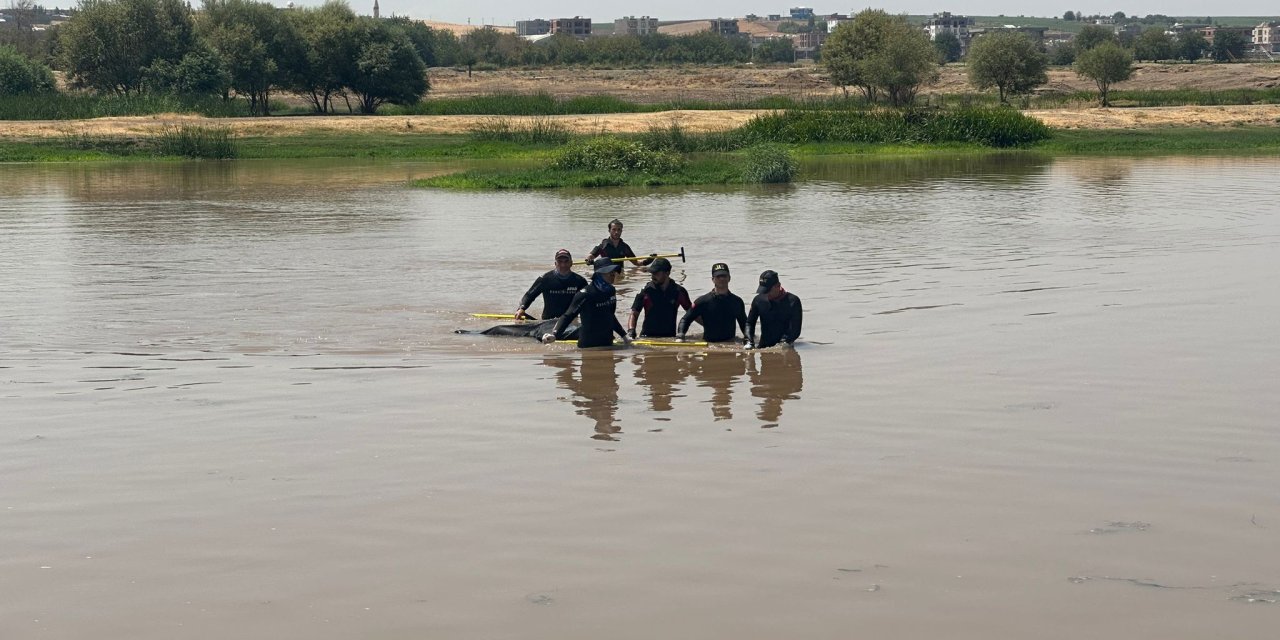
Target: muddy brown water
1033, 398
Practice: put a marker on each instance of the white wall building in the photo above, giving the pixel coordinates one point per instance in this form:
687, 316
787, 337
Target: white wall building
1266, 37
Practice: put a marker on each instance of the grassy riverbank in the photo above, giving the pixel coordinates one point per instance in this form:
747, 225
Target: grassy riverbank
1162, 141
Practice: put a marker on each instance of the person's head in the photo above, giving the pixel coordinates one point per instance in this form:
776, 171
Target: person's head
564, 261
607, 269
769, 284
660, 269
615, 229
720, 276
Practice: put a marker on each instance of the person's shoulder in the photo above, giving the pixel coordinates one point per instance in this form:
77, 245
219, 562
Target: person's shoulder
793, 297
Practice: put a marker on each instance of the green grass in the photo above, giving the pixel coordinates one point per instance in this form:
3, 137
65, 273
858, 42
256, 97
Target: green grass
1252, 140
700, 172
73, 106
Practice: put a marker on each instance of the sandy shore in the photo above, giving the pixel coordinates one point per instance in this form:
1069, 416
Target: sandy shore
701, 121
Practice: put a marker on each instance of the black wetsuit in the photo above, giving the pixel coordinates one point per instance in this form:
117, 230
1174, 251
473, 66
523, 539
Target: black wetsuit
607, 250
659, 307
599, 322
779, 321
557, 292
719, 314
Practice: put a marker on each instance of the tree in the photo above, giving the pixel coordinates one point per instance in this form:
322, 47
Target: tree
331, 45
387, 67
20, 75
948, 47
200, 72
1008, 61
108, 45
776, 50
1118, 16
1070, 16
1062, 54
881, 55
1228, 46
1191, 45
1105, 64
259, 46
1091, 36
1154, 44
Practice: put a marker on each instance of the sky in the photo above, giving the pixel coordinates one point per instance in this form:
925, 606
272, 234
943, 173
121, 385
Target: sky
505, 12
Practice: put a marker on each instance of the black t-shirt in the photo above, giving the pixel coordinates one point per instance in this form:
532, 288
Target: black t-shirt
779, 321
608, 250
719, 314
597, 310
557, 292
659, 306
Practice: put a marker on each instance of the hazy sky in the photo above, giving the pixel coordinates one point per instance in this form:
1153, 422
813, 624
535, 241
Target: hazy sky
507, 11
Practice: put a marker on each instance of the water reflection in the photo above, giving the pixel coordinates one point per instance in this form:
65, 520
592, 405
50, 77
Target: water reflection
777, 377
593, 381
879, 172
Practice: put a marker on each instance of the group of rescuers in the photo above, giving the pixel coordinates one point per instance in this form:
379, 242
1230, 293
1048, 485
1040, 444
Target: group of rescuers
567, 296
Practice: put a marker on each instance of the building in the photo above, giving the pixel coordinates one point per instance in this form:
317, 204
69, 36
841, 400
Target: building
376, 13
576, 26
1266, 37
801, 13
633, 26
944, 22
807, 45
536, 27
832, 23
775, 17
1210, 32
725, 26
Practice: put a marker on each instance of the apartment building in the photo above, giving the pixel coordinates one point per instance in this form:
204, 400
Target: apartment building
633, 26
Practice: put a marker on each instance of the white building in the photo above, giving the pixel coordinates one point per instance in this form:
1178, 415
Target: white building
944, 22
1266, 37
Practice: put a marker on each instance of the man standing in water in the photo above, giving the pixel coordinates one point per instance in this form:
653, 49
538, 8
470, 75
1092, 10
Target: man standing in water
614, 246
659, 300
597, 304
557, 288
779, 313
719, 311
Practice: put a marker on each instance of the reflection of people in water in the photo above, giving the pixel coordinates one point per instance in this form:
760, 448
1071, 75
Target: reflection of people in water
778, 377
662, 372
719, 371
595, 388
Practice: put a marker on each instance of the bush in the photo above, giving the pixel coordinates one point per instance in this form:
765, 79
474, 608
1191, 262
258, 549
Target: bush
769, 164
538, 131
19, 75
988, 127
213, 143
609, 153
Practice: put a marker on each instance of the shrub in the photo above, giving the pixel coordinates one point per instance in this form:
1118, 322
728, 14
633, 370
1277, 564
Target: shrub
537, 131
769, 164
213, 143
19, 75
989, 127
609, 153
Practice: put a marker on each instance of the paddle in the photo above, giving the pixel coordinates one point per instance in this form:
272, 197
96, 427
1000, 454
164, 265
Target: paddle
503, 316
656, 255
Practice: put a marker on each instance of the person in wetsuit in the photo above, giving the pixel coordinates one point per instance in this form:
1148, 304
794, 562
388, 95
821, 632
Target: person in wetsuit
659, 300
778, 311
719, 311
615, 247
596, 304
557, 288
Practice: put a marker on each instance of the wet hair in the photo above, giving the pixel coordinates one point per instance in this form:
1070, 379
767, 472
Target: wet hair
615, 221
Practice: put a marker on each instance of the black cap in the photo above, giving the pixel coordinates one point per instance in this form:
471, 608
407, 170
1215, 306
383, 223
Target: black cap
767, 280
659, 264
719, 268
605, 265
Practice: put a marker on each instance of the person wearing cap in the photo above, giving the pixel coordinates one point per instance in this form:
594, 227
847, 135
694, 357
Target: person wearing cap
557, 288
615, 247
597, 304
778, 311
719, 311
659, 300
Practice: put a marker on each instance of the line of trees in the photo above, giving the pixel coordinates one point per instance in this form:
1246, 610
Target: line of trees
1154, 44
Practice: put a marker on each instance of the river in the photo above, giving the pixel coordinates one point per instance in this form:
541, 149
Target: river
1033, 398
